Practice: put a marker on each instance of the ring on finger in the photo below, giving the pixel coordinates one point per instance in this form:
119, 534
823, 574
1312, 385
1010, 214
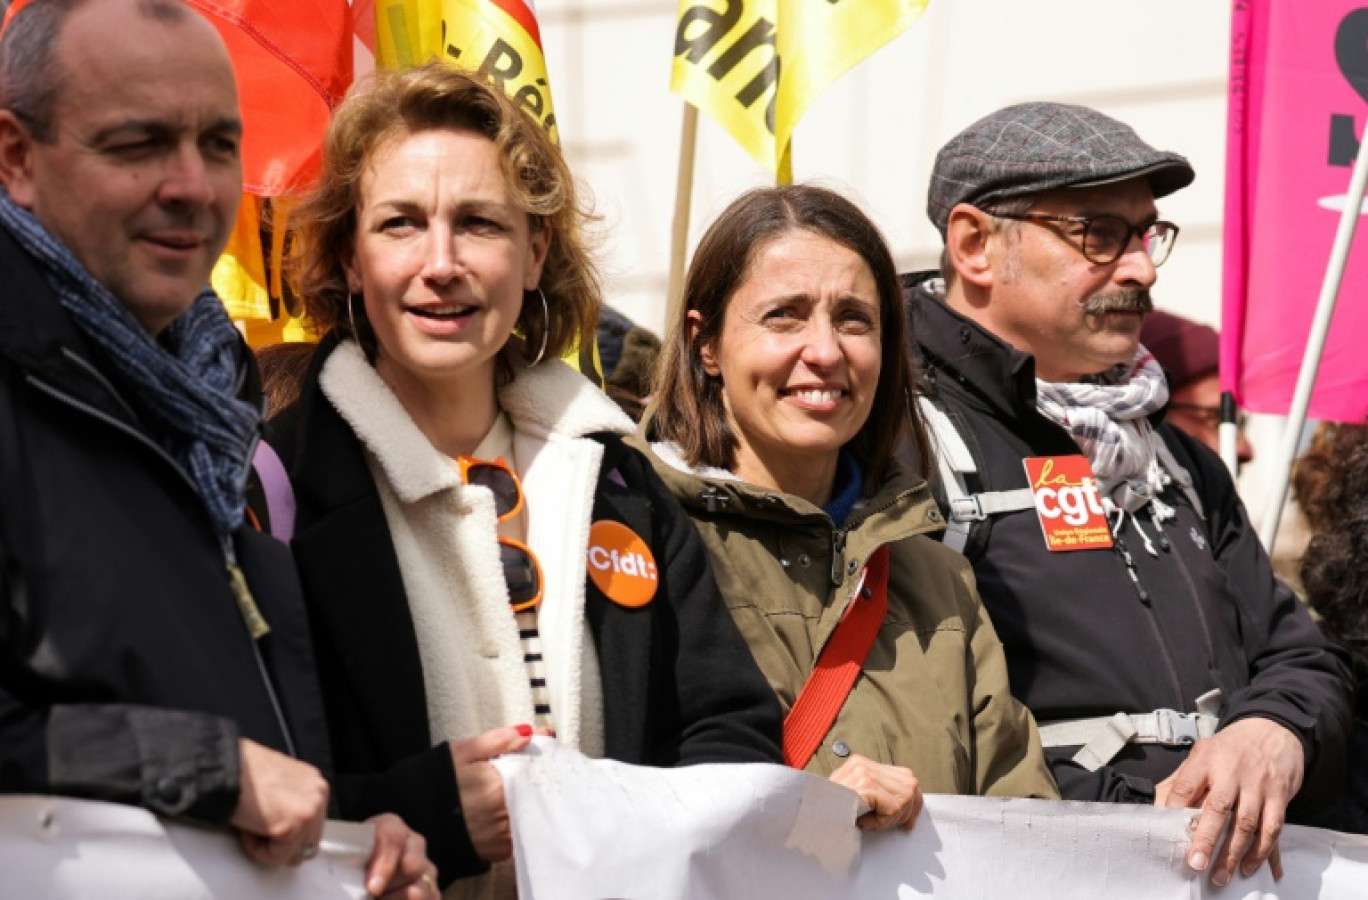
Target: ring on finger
308, 851
427, 879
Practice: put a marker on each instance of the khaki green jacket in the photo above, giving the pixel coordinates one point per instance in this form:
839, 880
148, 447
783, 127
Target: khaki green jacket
934, 694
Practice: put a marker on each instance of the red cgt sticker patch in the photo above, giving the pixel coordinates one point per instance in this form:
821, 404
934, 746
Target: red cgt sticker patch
1068, 503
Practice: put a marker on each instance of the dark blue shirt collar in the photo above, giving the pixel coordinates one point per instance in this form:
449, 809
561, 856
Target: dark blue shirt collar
845, 488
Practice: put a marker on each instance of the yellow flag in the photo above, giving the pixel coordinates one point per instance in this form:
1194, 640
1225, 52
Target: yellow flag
498, 38
255, 300
756, 65
239, 276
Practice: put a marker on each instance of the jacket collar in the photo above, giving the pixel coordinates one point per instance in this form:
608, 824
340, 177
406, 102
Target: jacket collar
38, 335
902, 497
550, 399
992, 370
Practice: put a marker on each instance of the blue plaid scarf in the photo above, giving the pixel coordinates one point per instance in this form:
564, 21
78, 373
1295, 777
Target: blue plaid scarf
183, 383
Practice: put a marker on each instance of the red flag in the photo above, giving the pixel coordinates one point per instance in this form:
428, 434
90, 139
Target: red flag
293, 60
14, 7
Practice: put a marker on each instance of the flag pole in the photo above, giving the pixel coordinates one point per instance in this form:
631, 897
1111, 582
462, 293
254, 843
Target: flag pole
679, 234
1228, 433
1315, 346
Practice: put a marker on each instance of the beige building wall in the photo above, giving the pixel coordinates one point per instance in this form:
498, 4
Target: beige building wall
1160, 66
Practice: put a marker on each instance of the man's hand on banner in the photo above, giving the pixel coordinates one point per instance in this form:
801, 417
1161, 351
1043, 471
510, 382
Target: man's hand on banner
1245, 774
399, 868
282, 804
481, 788
892, 792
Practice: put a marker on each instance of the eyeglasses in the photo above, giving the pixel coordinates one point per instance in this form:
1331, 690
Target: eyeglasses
1106, 237
522, 572
1209, 415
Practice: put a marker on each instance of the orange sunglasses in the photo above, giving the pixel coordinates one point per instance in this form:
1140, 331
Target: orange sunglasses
522, 571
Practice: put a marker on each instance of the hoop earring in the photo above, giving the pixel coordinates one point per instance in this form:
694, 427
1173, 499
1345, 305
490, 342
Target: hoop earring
351, 319
546, 316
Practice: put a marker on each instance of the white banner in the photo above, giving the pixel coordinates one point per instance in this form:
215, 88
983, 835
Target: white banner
596, 828
53, 848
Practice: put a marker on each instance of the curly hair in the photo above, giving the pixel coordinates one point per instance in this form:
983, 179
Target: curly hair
1331, 485
390, 105
688, 408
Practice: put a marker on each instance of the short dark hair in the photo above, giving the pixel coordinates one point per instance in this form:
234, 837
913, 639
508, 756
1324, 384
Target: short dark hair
30, 79
1011, 206
688, 409
435, 97
29, 76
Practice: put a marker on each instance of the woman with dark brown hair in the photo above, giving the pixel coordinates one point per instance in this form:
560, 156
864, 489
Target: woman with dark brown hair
781, 396
465, 500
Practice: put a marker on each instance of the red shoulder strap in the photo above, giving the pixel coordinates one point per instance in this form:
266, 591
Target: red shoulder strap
838, 665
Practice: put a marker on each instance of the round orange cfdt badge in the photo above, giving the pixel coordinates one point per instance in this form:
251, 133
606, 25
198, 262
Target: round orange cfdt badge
621, 564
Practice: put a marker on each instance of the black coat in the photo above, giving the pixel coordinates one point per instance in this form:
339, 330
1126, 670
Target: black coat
679, 685
126, 670
1080, 640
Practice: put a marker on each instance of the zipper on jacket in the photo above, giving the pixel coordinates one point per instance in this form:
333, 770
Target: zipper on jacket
838, 535
63, 397
713, 499
81, 363
1178, 560
1154, 624
1197, 608
237, 580
237, 583
1130, 570
838, 542
256, 629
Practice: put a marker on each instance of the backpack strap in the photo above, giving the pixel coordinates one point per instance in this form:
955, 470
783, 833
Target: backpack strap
275, 484
838, 664
1101, 738
955, 461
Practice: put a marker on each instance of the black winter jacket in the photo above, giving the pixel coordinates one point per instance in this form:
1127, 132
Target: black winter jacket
679, 685
1080, 640
126, 670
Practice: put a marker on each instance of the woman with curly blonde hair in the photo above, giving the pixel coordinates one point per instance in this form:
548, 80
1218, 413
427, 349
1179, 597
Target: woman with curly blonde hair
482, 556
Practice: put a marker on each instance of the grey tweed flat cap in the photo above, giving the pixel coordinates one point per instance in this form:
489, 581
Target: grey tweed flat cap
1035, 147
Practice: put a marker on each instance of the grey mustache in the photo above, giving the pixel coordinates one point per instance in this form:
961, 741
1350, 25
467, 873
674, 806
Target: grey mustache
1119, 301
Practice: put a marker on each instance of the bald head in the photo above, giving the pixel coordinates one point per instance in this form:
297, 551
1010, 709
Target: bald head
132, 157
30, 76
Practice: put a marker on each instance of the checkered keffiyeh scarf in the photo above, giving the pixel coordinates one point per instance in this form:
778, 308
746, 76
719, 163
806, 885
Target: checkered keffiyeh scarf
1108, 419
182, 382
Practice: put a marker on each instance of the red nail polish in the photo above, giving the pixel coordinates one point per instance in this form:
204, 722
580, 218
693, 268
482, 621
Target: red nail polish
525, 730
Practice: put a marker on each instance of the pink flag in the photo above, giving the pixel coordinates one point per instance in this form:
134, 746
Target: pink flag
1298, 86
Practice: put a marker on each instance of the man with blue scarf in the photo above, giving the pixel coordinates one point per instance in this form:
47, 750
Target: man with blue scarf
153, 650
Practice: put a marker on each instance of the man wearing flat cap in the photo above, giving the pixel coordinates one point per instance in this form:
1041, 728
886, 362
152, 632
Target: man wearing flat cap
1142, 622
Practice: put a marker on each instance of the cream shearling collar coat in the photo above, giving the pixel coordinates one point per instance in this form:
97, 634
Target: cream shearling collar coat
677, 683
444, 535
